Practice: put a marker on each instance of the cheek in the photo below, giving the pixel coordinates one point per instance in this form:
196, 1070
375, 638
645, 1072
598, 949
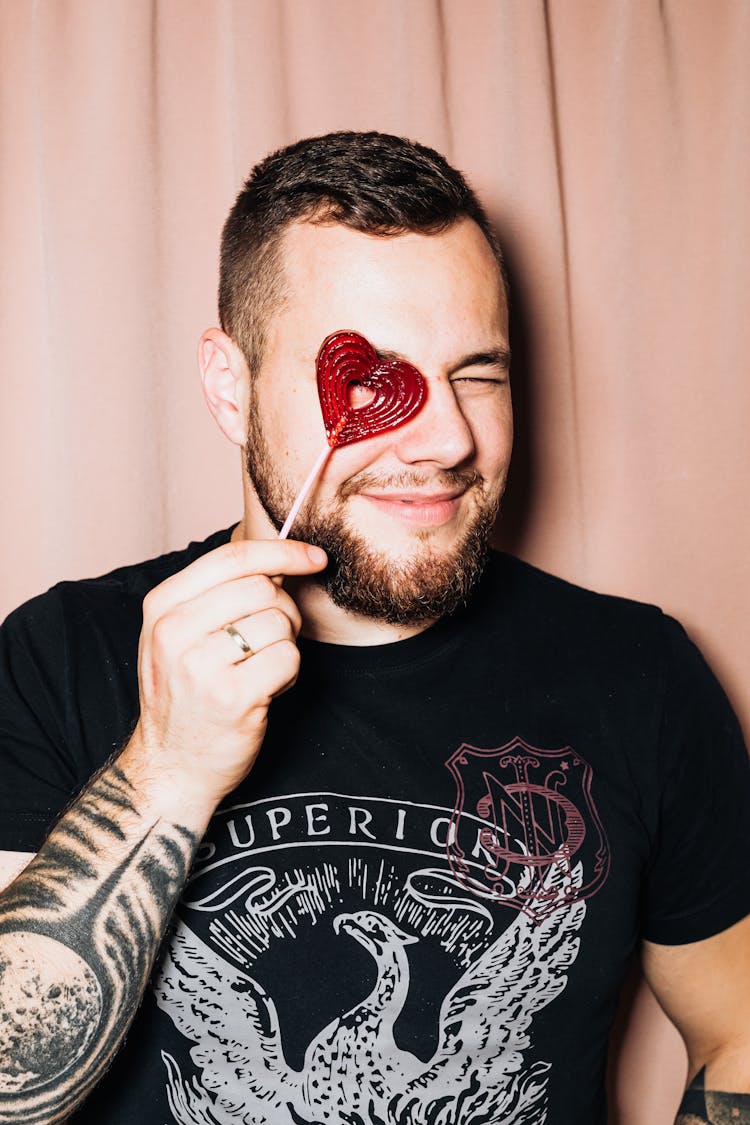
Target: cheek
294, 431
493, 437
344, 462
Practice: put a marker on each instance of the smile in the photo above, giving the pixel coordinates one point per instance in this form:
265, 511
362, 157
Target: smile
425, 510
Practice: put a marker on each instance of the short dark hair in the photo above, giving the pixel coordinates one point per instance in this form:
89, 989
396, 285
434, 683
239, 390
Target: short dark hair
371, 182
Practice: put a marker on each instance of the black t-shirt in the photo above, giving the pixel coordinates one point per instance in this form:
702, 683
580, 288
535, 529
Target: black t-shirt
420, 905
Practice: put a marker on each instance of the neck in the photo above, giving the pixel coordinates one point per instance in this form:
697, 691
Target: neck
389, 994
321, 619
324, 621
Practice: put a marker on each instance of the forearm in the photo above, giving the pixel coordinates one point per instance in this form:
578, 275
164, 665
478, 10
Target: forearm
79, 931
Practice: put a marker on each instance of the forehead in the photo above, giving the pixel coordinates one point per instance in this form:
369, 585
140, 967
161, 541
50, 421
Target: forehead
401, 292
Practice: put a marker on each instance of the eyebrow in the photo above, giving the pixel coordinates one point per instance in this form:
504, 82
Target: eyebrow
494, 357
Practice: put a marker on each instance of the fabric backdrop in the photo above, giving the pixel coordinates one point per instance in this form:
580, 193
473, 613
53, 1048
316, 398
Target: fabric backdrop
609, 141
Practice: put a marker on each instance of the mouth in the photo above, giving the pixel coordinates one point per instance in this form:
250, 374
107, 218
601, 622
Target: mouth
417, 508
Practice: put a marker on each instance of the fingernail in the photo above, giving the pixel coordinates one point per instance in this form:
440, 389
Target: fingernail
316, 554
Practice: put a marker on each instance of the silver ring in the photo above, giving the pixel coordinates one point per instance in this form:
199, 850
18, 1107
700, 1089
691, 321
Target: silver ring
239, 640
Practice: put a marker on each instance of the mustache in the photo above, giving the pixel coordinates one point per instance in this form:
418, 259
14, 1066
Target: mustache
446, 480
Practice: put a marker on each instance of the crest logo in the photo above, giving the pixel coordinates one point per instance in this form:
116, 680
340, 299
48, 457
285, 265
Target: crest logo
519, 811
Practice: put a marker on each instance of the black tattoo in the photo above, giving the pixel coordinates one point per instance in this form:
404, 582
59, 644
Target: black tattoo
712, 1107
79, 931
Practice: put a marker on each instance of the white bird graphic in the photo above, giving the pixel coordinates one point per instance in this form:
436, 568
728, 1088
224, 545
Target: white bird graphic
357, 1052
353, 1071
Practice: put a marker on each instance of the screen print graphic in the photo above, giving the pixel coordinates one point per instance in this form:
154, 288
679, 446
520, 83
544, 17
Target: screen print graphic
310, 935
538, 812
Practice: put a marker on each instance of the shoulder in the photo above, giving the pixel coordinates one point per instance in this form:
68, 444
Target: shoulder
571, 631
607, 642
547, 601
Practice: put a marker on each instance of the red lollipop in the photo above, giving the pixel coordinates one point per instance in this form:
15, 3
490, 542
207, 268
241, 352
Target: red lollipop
346, 361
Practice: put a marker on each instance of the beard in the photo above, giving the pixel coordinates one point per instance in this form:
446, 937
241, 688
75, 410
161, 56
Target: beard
359, 578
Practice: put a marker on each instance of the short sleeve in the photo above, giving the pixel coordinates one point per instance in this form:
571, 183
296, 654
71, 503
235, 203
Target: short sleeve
698, 883
36, 774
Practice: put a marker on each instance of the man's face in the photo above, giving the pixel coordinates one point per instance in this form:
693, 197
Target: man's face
405, 516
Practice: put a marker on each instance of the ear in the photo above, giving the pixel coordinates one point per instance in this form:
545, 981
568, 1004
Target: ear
226, 380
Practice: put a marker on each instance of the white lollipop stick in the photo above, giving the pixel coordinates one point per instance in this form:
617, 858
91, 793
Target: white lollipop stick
306, 487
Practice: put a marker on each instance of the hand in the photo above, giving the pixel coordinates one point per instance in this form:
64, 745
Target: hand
204, 703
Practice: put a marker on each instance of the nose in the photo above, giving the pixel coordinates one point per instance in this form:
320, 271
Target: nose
439, 434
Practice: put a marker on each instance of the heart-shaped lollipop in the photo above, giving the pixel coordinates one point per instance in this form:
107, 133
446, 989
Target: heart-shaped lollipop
347, 360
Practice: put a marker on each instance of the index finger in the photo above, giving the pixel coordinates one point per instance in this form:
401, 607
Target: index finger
236, 560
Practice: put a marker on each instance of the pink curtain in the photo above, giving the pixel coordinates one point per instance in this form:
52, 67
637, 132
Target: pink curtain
609, 141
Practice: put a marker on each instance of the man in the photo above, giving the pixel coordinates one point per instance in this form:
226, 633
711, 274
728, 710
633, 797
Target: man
431, 799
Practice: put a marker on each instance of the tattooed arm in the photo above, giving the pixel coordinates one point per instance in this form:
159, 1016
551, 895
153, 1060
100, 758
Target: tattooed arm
81, 925
79, 930
705, 989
